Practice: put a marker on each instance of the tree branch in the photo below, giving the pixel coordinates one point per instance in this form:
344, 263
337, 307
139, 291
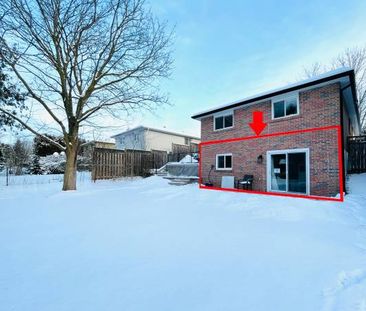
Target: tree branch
31, 129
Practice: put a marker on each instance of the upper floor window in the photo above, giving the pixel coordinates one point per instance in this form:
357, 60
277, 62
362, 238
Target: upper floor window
186, 140
285, 107
223, 122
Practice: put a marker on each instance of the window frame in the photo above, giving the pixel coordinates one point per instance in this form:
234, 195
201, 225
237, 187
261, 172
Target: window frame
285, 99
223, 115
224, 155
287, 152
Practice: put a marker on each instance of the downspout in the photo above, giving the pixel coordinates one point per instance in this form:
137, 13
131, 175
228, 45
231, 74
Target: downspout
342, 136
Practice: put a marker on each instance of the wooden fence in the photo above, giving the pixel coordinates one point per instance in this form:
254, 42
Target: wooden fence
357, 154
180, 151
176, 157
177, 148
112, 163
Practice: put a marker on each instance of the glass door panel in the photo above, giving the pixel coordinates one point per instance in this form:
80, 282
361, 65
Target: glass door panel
278, 172
297, 172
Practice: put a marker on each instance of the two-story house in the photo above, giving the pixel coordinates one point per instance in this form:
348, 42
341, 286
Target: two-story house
151, 139
307, 162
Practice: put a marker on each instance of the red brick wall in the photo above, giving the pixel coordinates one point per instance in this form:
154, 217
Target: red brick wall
318, 107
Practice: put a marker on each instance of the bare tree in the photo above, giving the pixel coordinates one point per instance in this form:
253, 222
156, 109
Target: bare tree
354, 58
314, 70
79, 60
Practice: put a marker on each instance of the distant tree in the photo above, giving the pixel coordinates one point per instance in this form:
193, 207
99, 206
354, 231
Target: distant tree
10, 97
315, 69
42, 147
82, 59
7, 156
2, 156
35, 166
356, 59
21, 156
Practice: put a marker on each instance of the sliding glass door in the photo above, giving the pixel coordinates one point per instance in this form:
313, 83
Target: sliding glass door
288, 170
297, 172
278, 172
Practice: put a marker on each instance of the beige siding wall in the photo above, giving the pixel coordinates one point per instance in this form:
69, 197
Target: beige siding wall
107, 145
162, 141
145, 139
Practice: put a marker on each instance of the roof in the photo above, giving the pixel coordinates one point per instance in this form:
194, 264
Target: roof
138, 128
99, 142
325, 77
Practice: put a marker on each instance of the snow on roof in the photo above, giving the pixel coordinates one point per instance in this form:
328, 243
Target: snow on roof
141, 127
322, 76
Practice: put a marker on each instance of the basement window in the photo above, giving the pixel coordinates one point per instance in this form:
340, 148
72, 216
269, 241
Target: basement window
224, 162
285, 107
223, 122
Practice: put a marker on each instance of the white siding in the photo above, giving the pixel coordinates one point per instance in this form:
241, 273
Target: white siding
132, 140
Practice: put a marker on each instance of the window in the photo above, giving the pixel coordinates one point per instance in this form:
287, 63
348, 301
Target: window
223, 122
285, 107
186, 140
224, 161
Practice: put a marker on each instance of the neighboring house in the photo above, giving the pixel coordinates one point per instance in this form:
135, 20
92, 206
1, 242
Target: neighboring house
101, 144
303, 163
87, 149
150, 139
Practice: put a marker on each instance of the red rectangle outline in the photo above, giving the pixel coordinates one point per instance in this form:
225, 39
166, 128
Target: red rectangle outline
313, 197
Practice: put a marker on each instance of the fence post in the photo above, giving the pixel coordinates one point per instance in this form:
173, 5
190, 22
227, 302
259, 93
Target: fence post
7, 176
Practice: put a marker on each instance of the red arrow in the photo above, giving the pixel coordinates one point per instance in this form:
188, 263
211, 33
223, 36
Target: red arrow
258, 125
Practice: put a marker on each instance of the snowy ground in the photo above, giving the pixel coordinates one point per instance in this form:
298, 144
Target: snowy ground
13, 180
146, 245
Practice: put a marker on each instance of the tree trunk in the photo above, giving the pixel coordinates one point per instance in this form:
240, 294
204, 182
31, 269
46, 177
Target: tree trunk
70, 169
18, 170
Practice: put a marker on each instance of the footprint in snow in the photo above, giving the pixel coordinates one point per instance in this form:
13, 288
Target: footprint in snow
345, 282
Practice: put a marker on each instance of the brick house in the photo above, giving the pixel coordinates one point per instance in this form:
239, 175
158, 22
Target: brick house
306, 162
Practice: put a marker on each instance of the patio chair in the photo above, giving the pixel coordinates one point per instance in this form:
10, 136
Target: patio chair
246, 183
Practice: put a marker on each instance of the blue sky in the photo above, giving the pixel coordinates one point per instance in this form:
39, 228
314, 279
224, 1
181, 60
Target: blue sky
226, 50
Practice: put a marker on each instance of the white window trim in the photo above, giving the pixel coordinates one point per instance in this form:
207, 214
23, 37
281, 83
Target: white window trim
222, 114
217, 161
287, 151
284, 98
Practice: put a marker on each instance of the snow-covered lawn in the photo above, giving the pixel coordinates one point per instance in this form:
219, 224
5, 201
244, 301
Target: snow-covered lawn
145, 245
38, 179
